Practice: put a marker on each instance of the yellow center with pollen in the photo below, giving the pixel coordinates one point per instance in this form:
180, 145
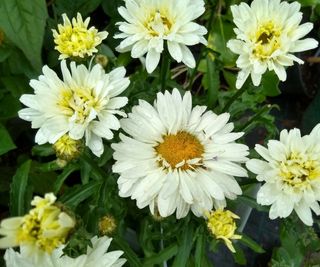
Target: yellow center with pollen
158, 24
76, 40
298, 170
179, 148
266, 40
79, 103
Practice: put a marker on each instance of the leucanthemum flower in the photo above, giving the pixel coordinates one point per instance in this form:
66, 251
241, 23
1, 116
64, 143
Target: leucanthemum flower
221, 224
45, 227
150, 23
268, 33
83, 103
74, 39
96, 256
176, 157
291, 172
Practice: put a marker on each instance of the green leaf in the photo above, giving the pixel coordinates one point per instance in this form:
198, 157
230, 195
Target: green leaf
18, 189
185, 246
239, 256
164, 255
79, 193
269, 84
213, 82
10, 106
42, 150
200, 249
63, 176
6, 143
251, 202
16, 85
129, 254
84, 7
251, 244
23, 22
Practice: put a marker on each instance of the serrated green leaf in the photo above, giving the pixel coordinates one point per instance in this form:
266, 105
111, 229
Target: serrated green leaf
6, 143
23, 22
18, 189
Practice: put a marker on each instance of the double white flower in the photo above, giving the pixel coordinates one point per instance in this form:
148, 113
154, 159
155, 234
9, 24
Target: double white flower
267, 35
150, 23
83, 103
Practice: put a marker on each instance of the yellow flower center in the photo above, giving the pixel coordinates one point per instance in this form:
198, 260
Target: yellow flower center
79, 104
266, 40
298, 170
67, 148
42, 227
221, 223
75, 40
179, 148
158, 24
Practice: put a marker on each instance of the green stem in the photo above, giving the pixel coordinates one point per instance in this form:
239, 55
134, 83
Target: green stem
253, 118
233, 98
164, 70
96, 170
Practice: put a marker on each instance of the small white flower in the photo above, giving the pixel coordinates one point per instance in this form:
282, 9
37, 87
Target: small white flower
291, 171
83, 103
149, 23
268, 33
177, 157
97, 256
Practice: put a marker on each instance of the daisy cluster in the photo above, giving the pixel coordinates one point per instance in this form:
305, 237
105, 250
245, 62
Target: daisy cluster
172, 157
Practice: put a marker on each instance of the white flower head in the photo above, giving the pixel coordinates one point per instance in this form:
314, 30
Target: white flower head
267, 35
291, 172
177, 157
150, 23
83, 103
96, 256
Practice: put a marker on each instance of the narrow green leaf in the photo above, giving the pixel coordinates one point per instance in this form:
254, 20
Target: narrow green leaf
162, 256
185, 247
63, 176
239, 256
42, 150
23, 22
212, 76
251, 244
251, 202
6, 143
80, 193
129, 254
18, 189
200, 249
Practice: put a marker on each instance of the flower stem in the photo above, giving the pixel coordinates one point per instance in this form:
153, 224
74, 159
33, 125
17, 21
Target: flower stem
233, 98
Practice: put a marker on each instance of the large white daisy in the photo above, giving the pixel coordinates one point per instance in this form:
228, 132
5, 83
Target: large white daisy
149, 23
268, 33
96, 256
83, 103
291, 172
177, 157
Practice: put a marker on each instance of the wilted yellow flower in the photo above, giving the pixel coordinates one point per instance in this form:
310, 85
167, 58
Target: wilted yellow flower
45, 226
102, 60
107, 225
74, 39
67, 148
222, 225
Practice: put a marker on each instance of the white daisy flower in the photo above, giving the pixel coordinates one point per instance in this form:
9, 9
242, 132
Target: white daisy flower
291, 171
268, 33
177, 157
149, 23
97, 256
83, 103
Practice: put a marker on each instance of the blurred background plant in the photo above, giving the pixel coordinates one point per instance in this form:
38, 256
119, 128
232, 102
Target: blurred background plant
87, 185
